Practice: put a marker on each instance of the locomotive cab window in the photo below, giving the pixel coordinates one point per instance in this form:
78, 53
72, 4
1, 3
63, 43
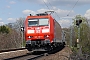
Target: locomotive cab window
43, 22
38, 22
33, 22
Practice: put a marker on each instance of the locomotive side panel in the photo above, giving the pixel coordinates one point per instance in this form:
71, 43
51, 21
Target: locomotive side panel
25, 28
58, 30
51, 28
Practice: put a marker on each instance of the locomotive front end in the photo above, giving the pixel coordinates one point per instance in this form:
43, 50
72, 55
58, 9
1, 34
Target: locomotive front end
37, 33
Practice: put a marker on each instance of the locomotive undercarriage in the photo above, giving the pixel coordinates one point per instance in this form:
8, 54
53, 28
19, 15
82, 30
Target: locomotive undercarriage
42, 45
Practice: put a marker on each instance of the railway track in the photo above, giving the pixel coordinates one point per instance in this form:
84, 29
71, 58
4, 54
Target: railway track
30, 55
12, 53
13, 49
38, 55
26, 57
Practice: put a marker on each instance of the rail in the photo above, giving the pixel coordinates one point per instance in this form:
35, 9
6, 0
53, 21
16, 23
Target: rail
13, 49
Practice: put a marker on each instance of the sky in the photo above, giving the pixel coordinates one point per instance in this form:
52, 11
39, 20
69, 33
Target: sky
65, 10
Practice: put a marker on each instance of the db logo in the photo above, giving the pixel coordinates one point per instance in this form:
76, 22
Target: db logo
37, 31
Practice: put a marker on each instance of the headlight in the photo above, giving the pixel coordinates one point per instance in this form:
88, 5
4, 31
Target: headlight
45, 30
30, 37
30, 31
46, 36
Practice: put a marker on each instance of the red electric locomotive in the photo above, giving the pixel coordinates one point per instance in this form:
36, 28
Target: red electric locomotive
42, 32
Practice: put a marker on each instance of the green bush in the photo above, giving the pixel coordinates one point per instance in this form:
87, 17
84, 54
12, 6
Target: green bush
4, 29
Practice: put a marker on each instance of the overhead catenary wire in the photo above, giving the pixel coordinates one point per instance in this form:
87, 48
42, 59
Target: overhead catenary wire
53, 9
56, 12
51, 6
73, 7
46, 5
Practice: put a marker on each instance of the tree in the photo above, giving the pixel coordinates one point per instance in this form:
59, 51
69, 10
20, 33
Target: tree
10, 35
4, 29
84, 33
17, 26
19, 23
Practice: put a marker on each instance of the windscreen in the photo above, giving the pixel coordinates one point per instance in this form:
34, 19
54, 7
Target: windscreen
38, 22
